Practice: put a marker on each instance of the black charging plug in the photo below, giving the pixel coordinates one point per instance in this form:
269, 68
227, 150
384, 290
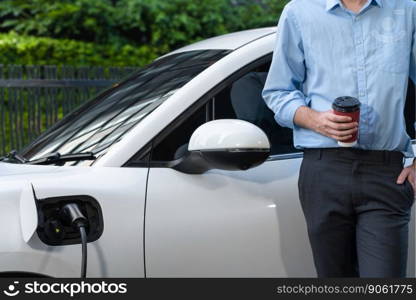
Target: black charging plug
72, 215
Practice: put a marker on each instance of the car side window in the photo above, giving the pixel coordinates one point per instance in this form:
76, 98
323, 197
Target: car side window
174, 143
241, 99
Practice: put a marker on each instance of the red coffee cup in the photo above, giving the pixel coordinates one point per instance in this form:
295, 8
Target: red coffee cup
349, 107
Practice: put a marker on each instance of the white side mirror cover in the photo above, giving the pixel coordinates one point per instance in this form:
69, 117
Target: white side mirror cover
228, 134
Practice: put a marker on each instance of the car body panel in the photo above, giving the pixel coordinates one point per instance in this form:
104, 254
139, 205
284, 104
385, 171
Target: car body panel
227, 224
28, 212
119, 251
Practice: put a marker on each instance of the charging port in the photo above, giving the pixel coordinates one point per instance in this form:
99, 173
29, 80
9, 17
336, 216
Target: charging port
57, 230
70, 220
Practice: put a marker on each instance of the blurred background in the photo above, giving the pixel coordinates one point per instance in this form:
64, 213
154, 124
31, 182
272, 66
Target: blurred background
55, 55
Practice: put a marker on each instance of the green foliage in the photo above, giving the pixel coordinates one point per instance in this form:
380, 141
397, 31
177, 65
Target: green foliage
174, 23
255, 14
29, 50
161, 24
178, 22
88, 20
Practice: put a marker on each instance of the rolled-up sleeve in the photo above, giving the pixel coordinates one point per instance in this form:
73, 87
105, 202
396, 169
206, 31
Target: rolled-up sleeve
282, 91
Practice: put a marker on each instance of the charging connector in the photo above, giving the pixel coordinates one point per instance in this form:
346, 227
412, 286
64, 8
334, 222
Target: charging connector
72, 215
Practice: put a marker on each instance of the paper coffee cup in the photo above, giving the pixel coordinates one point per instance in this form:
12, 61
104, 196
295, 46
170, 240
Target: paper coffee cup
349, 107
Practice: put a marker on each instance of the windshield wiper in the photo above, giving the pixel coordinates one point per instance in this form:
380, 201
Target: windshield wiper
13, 157
61, 159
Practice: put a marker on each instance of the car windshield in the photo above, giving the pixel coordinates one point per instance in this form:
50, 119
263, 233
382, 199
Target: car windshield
104, 120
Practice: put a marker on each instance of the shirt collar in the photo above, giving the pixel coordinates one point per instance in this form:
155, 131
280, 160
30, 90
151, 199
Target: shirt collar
330, 4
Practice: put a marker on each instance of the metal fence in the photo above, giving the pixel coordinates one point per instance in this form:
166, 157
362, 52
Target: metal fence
32, 98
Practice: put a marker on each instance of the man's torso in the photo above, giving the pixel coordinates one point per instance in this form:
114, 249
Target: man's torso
366, 56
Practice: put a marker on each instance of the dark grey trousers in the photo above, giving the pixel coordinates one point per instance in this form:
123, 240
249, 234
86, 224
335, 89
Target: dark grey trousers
357, 215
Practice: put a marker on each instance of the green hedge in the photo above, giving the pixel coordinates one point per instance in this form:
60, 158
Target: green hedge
156, 22
28, 50
161, 25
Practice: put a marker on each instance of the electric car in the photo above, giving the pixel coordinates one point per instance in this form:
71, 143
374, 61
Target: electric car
178, 171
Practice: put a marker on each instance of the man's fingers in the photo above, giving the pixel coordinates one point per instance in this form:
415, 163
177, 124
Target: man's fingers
341, 126
412, 181
345, 126
340, 122
403, 176
339, 119
338, 138
413, 185
341, 133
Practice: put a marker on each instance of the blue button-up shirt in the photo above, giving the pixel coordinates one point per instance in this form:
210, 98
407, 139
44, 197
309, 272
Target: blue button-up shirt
324, 51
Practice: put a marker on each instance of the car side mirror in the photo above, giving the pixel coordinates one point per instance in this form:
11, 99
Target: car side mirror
225, 144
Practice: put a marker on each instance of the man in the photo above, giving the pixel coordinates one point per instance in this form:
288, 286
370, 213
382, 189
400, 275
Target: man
356, 201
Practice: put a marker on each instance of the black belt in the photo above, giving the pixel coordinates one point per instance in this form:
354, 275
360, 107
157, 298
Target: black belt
380, 156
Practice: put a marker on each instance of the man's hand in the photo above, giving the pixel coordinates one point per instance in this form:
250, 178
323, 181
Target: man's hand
408, 173
327, 123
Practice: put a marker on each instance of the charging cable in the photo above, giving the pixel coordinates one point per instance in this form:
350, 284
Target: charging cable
71, 214
84, 251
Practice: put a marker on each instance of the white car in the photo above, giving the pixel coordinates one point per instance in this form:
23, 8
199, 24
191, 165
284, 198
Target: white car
179, 171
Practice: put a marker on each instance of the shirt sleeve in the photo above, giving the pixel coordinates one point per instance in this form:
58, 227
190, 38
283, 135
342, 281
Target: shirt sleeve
413, 54
282, 92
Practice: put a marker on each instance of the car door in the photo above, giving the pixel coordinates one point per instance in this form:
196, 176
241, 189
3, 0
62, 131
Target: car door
226, 223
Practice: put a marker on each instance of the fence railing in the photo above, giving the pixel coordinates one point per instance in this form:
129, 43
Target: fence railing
32, 98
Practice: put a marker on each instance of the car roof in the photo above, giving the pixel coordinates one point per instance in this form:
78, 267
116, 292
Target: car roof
230, 41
